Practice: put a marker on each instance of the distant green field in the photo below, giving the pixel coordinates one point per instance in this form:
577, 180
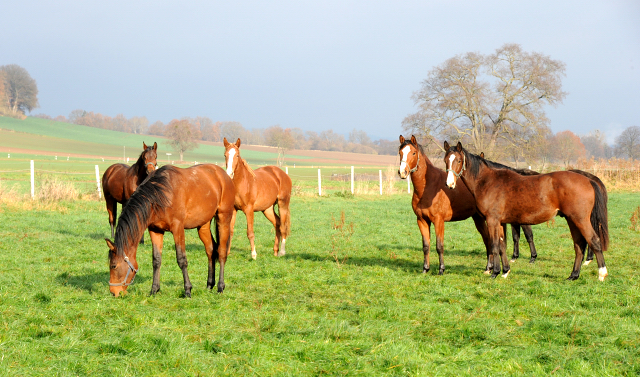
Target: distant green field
65, 138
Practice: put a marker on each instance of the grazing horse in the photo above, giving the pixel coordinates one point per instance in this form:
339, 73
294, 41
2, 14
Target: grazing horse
119, 181
172, 200
433, 203
504, 196
260, 190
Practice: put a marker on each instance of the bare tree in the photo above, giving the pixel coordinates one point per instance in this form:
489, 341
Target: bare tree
157, 128
595, 143
182, 136
483, 99
20, 88
138, 124
568, 147
275, 136
627, 144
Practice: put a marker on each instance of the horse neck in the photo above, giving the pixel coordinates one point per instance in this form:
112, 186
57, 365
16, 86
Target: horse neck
139, 170
419, 177
242, 177
471, 181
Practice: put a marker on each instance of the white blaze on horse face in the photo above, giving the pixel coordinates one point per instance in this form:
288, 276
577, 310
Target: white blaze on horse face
451, 179
232, 153
405, 154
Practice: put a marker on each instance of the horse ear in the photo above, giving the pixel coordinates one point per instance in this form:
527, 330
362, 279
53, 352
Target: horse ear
238, 143
414, 141
155, 146
401, 139
459, 147
446, 145
482, 155
144, 146
226, 143
112, 247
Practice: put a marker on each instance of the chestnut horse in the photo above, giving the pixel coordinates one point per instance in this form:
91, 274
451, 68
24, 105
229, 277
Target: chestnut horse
504, 196
172, 200
260, 190
119, 181
433, 203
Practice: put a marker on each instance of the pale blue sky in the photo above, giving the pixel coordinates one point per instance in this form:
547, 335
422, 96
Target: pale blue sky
315, 65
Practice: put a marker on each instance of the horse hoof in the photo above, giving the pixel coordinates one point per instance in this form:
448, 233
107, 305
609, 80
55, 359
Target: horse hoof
281, 253
572, 278
506, 274
532, 260
425, 270
220, 288
602, 273
494, 275
254, 255
440, 272
586, 263
187, 294
487, 272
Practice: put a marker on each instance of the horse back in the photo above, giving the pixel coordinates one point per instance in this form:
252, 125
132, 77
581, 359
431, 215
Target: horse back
199, 193
271, 184
113, 182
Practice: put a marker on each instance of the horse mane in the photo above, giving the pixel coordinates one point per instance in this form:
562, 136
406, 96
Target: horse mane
497, 165
140, 162
154, 194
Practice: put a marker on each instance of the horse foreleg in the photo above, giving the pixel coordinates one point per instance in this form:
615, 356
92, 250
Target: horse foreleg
157, 239
248, 211
271, 215
233, 224
439, 226
515, 235
425, 229
181, 257
204, 232
223, 222
495, 233
528, 234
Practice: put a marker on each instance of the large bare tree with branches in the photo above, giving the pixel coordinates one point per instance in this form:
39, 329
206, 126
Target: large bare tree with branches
487, 100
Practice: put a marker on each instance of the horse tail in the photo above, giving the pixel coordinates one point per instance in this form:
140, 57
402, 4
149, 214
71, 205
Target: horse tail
283, 202
599, 216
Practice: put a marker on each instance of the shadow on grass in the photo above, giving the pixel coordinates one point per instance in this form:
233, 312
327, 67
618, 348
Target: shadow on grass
86, 282
398, 264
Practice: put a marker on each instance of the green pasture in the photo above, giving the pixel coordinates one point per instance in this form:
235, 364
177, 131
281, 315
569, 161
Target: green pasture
66, 138
349, 298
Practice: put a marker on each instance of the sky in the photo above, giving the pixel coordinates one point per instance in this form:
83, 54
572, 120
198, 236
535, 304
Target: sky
315, 65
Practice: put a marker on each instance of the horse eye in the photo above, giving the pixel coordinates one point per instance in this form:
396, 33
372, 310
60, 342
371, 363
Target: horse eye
113, 267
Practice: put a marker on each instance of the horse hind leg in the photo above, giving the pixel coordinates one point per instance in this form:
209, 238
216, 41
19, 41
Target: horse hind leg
515, 235
482, 228
439, 226
271, 215
210, 246
425, 230
284, 221
528, 234
579, 245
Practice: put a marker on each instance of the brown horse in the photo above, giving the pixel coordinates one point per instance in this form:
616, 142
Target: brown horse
504, 196
260, 190
433, 203
172, 200
119, 181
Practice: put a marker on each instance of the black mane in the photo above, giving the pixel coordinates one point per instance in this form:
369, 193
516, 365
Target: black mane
154, 194
140, 162
474, 162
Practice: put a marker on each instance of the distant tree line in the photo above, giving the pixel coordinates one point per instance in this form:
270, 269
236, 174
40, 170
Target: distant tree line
18, 91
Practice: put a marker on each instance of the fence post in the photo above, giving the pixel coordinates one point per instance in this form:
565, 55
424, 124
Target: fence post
286, 170
380, 176
319, 184
98, 182
352, 179
33, 192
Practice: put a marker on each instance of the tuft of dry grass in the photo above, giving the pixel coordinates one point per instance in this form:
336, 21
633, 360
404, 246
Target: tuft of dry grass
52, 190
635, 220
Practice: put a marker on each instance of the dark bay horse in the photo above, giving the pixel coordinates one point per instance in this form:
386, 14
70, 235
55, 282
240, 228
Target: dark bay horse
172, 200
119, 181
260, 190
433, 202
504, 196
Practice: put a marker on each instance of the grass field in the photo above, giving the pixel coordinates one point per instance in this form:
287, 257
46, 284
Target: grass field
349, 298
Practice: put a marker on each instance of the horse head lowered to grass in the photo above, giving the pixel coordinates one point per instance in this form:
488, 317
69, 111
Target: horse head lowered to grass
172, 200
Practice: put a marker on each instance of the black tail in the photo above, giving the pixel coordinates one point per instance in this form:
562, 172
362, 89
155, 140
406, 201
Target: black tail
599, 216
